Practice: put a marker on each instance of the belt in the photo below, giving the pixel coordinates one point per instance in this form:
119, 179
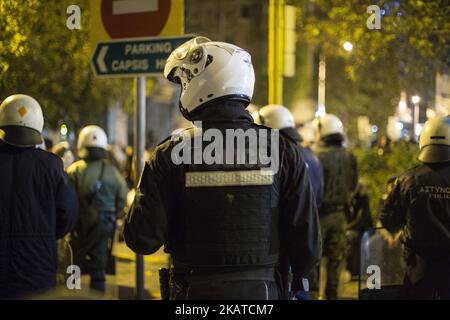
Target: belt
264, 273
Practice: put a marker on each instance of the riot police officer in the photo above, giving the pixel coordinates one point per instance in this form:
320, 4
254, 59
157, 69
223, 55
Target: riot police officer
279, 117
419, 204
340, 181
226, 225
102, 193
37, 203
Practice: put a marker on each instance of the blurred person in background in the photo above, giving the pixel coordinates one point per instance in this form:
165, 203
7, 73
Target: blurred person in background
102, 194
306, 131
37, 203
359, 220
340, 182
279, 117
62, 149
129, 172
419, 206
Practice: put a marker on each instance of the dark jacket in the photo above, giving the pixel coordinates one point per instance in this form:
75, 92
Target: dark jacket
112, 196
37, 206
164, 203
420, 205
315, 170
340, 170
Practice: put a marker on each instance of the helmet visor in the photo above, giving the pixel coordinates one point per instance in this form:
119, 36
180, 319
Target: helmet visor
182, 51
185, 57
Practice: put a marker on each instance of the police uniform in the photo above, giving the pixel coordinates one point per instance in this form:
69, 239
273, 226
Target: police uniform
315, 170
419, 205
340, 181
37, 203
226, 226
102, 192
315, 173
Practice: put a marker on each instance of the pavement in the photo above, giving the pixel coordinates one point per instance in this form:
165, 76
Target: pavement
121, 285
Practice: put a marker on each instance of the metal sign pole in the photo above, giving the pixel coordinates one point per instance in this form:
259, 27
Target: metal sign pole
139, 149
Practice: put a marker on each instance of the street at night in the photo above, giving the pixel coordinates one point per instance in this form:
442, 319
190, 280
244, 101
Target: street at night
206, 158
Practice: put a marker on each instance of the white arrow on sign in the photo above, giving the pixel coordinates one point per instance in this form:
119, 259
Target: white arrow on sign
101, 59
134, 6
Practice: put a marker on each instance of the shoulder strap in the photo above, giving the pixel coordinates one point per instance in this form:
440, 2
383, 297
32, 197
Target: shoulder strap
98, 183
102, 170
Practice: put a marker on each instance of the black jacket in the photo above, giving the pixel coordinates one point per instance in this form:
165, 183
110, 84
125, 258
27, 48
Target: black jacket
159, 212
340, 171
37, 206
420, 205
313, 164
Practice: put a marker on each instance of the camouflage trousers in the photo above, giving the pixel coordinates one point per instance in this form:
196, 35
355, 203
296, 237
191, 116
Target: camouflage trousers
333, 226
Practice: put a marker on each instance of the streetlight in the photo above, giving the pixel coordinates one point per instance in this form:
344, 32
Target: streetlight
348, 46
415, 100
321, 88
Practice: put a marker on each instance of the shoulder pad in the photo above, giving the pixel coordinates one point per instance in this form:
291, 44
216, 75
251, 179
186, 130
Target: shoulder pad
75, 166
178, 135
164, 141
407, 175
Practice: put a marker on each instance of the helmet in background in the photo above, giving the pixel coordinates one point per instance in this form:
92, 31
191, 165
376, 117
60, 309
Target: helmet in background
328, 125
92, 137
276, 116
434, 140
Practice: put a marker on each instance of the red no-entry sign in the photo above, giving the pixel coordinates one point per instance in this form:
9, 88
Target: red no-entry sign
119, 19
134, 18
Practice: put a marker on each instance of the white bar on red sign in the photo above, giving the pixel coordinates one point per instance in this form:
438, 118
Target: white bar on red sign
134, 6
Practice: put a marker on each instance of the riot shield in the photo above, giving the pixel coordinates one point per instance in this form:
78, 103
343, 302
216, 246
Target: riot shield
382, 268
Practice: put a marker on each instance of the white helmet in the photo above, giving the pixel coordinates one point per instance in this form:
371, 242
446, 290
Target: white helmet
92, 136
327, 125
21, 121
208, 70
434, 140
276, 116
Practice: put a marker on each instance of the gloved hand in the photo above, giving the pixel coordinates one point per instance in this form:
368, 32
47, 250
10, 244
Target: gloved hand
301, 295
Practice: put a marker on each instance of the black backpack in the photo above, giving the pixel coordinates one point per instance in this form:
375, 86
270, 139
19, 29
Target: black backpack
87, 220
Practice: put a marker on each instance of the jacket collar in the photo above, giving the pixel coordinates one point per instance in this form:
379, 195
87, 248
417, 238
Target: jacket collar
225, 111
